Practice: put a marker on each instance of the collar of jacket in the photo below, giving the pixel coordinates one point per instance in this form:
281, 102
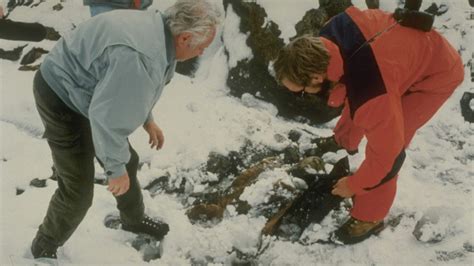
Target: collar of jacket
336, 64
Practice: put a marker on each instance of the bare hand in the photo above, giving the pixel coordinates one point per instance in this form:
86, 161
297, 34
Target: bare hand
341, 188
156, 135
119, 185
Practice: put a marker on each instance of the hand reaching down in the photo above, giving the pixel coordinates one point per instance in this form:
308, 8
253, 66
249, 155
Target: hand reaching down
156, 138
119, 185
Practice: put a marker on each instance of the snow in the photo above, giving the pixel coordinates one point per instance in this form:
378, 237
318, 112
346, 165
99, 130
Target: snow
198, 116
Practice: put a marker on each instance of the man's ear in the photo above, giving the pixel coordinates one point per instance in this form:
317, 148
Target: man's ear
318, 78
184, 39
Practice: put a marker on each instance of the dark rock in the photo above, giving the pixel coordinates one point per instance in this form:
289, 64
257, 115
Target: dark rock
466, 110
372, 4
19, 191
312, 21
51, 34
437, 10
291, 154
38, 182
12, 55
334, 7
58, 7
224, 166
32, 55
468, 246
294, 135
12, 4
29, 67
327, 144
472, 61
39, 2
471, 3
242, 207
187, 67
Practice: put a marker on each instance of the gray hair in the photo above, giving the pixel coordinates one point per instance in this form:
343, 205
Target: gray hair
198, 17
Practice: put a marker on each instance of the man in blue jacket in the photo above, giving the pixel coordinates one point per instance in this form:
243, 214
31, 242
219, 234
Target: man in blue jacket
97, 86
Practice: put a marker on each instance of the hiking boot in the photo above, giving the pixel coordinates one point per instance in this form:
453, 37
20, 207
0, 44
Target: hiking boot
42, 248
148, 226
355, 231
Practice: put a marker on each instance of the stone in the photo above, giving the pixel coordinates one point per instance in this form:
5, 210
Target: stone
334, 7
294, 135
12, 55
372, 4
224, 166
466, 111
52, 34
312, 21
58, 7
29, 67
437, 10
38, 183
19, 191
291, 154
32, 56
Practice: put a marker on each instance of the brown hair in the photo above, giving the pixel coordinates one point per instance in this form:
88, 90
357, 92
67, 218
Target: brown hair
301, 58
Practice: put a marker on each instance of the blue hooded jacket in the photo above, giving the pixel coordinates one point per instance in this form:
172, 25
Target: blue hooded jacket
112, 69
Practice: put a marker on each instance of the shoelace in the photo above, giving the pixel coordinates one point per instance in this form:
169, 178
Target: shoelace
150, 222
49, 255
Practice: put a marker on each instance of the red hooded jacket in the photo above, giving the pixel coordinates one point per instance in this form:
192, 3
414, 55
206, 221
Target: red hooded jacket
377, 76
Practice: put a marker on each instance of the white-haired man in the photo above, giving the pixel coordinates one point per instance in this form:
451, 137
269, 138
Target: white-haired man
97, 86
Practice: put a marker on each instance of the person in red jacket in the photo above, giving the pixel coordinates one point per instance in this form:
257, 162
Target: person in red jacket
392, 80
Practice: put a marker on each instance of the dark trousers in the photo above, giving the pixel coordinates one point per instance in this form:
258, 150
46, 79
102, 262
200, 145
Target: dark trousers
70, 140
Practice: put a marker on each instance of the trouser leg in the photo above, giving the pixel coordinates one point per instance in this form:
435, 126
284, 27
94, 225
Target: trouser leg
69, 138
375, 205
418, 108
130, 204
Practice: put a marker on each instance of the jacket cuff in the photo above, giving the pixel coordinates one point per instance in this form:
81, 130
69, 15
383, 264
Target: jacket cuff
149, 118
115, 171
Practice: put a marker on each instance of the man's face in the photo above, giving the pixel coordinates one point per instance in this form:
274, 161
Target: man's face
184, 49
313, 87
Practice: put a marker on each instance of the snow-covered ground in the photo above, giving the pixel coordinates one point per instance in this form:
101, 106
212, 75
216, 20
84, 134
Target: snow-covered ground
197, 117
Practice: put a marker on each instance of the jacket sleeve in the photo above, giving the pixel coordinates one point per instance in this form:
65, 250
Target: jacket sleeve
346, 133
121, 103
381, 119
